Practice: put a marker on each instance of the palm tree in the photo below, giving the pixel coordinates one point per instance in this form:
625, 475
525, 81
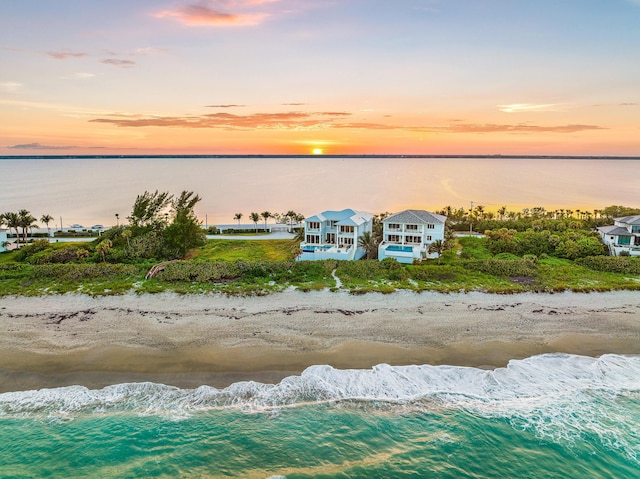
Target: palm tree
255, 217
266, 215
436, 247
299, 236
12, 220
237, 216
290, 215
368, 242
103, 248
46, 219
27, 221
126, 234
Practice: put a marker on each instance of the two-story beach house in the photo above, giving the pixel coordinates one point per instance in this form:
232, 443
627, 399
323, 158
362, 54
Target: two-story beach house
407, 235
334, 235
623, 235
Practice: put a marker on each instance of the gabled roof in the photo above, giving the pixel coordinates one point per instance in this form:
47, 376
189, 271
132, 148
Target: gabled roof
614, 230
629, 220
358, 218
346, 217
420, 217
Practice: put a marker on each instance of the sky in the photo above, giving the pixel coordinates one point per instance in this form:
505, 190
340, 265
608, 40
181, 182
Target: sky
525, 77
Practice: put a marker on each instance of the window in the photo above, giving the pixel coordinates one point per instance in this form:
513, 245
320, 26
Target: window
313, 239
313, 225
394, 226
393, 238
626, 240
431, 226
429, 238
347, 241
412, 228
413, 239
635, 228
346, 229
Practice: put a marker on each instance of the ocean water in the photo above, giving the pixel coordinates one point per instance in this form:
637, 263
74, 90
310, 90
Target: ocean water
548, 416
91, 191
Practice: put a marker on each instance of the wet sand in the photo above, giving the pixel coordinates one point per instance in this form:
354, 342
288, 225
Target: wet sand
189, 340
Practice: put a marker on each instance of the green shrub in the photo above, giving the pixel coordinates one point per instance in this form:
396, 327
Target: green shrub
75, 272
611, 264
30, 249
497, 267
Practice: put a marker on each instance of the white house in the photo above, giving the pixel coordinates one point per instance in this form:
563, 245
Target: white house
335, 234
623, 235
407, 235
3, 239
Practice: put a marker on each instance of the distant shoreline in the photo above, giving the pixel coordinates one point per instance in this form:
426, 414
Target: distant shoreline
515, 157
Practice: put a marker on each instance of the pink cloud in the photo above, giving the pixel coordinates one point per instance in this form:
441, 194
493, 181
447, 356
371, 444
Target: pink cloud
213, 13
63, 55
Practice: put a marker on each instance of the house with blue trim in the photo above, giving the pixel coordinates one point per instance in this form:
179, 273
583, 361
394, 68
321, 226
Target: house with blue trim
623, 235
335, 234
3, 240
407, 235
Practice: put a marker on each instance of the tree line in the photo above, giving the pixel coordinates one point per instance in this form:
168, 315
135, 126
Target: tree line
289, 218
161, 226
22, 222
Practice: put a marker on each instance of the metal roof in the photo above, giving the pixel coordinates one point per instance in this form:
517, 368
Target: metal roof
614, 230
415, 217
346, 217
629, 220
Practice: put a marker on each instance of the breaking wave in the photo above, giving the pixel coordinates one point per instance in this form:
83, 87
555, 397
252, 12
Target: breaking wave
520, 383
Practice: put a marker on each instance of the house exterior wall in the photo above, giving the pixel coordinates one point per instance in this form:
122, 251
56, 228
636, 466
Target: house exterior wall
409, 241
326, 238
3, 239
626, 242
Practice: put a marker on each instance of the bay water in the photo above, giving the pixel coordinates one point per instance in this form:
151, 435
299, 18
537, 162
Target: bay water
89, 191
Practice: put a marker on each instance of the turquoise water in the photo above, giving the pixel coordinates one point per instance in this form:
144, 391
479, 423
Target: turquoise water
311, 249
549, 416
406, 249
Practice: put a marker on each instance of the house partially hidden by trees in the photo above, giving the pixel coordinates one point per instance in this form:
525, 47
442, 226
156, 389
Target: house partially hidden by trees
335, 235
623, 237
4, 240
406, 236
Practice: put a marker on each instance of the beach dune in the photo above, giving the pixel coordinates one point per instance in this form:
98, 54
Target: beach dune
190, 340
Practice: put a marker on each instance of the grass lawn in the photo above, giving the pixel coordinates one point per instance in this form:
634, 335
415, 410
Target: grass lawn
8, 256
231, 250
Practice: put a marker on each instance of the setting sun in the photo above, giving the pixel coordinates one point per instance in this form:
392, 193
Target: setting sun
318, 151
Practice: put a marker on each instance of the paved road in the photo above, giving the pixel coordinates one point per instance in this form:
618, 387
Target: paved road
270, 236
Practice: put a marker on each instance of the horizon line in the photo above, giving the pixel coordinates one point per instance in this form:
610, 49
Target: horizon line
254, 155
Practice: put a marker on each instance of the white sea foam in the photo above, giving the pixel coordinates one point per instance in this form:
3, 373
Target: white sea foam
561, 397
522, 384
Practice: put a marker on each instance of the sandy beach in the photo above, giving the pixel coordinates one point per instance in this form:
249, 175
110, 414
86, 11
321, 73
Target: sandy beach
189, 340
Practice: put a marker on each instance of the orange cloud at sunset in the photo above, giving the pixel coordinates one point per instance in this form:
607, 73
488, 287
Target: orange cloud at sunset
176, 76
